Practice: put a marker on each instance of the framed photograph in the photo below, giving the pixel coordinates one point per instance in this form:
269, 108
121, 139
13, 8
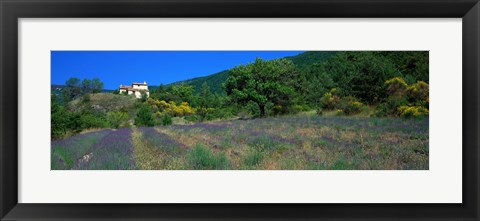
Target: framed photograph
239, 110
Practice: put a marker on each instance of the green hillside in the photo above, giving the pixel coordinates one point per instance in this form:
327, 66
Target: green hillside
308, 58
361, 74
214, 81
104, 102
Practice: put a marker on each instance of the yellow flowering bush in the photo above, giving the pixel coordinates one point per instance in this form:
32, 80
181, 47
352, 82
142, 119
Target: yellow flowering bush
182, 110
356, 104
330, 99
404, 100
396, 86
350, 105
159, 106
347, 105
412, 111
418, 92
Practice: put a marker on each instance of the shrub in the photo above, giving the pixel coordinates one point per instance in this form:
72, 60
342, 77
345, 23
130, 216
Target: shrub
204, 113
144, 117
184, 109
418, 93
192, 118
166, 120
404, 101
329, 100
91, 121
295, 109
221, 113
275, 110
381, 110
144, 96
390, 107
59, 119
350, 105
396, 86
158, 119
366, 109
340, 112
86, 98
117, 119
336, 92
243, 115
412, 111
272, 110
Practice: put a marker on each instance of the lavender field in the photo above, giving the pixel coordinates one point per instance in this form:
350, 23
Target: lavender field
283, 143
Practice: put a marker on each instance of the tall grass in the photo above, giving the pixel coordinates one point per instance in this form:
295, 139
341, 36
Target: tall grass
201, 158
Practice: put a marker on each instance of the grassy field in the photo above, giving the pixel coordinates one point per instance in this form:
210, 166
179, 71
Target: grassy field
284, 143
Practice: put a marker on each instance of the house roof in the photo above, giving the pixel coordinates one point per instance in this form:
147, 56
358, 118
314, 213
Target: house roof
136, 83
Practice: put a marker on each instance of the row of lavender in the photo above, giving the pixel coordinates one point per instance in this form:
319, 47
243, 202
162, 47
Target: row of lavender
100, 150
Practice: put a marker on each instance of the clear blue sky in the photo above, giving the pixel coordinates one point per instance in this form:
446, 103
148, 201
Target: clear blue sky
155, 67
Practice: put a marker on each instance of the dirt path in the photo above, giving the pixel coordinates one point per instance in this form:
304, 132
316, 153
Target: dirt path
146, 156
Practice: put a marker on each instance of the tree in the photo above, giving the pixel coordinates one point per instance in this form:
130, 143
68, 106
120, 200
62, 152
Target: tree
313, 83
182, 93
412, 64
261, 82
72, 90
59, 118
159, 93
361, 74
177, 93
144, 117
144, 96
116, 91
205, 102
205, 97
97, 85
86, 86
73, 82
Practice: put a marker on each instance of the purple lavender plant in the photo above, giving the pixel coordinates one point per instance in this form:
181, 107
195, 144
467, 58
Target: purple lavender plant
113, 152
162, 141
66, 152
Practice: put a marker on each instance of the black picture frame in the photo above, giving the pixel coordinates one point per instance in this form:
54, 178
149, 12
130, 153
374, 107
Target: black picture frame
12, 10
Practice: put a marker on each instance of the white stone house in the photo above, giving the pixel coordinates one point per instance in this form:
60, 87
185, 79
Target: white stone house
136, 89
